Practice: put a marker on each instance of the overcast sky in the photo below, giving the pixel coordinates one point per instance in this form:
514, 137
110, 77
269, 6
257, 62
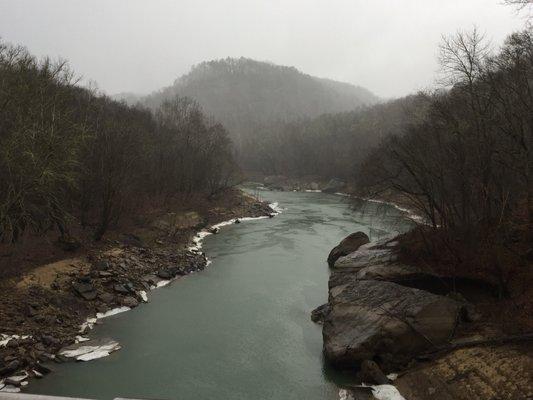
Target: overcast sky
388, 46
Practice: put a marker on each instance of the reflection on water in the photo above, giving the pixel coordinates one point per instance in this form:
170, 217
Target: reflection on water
240, 329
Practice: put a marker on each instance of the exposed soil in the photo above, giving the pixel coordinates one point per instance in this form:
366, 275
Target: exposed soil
45, 298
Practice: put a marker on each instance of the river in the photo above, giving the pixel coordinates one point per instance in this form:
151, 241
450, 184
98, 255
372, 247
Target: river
241, 329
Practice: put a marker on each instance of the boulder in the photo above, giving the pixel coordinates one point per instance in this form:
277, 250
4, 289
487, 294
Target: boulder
165, 274
119, 288
9, 367
85, 290
369, 319
107, 297
129, 301
151, 279
334, 186
320, 313
371, 373
348, 245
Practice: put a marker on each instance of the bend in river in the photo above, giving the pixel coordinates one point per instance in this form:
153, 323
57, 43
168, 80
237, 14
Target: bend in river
241, 329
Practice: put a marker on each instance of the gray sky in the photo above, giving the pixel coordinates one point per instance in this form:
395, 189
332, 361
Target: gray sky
388, 46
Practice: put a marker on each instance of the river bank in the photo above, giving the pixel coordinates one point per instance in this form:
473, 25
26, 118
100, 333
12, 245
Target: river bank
48, 307
438, 334
241, 328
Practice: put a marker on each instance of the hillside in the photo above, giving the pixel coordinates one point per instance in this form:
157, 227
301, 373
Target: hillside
245, 94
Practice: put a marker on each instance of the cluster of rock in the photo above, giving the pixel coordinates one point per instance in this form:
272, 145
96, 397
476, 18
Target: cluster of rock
286, 184
119, 279
52, 318
374, 313
50, 315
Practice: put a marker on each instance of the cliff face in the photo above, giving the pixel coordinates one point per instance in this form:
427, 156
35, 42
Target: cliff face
382, 310
373, 314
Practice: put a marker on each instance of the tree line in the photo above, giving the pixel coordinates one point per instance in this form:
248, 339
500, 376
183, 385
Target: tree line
461, 155
467, 166
331, 145
69, 155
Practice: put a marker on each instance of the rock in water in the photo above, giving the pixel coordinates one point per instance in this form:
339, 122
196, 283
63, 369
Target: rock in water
377, 318
348, 245
320, 313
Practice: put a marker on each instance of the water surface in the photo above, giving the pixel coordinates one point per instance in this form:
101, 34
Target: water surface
241, 328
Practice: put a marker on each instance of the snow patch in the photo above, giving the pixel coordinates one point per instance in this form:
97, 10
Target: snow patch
144, 296
392, 376
276, 207
409, 213
379, 392
162, 283
111, 312
386, 392
345, 395
5, 339
9, 388
91, 350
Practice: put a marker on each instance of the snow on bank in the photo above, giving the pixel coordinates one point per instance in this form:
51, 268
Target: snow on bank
408, 212
386, 392
379, 392
90, 350
200, 236
111, 312
105, 350
5, 339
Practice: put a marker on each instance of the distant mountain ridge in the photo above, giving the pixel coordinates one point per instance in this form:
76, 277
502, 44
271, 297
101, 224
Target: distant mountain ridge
245, 94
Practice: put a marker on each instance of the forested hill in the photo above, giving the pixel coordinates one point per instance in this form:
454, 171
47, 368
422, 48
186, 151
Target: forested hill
245, 94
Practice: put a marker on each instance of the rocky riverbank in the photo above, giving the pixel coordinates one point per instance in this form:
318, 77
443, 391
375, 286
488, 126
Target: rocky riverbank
46, 312
385, 316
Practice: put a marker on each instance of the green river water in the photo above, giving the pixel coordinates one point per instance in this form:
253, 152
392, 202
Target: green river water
241, 329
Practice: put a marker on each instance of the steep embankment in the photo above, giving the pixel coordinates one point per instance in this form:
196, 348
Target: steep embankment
407, 319
47, 307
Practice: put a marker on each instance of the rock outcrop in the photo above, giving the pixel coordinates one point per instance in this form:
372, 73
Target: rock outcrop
372, 314
369, 319
348, 245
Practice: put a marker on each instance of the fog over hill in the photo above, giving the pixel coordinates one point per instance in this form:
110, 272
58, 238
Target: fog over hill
245, 94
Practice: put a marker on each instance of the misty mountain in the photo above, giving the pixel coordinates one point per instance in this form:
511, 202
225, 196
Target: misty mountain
246, 95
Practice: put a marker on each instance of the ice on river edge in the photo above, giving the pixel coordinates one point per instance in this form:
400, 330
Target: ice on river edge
104, 350
200, 236
380, 392
90, 350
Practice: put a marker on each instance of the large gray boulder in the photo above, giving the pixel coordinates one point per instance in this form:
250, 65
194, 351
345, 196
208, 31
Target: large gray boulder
379, 261
368, 319
348, 245
334, 186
